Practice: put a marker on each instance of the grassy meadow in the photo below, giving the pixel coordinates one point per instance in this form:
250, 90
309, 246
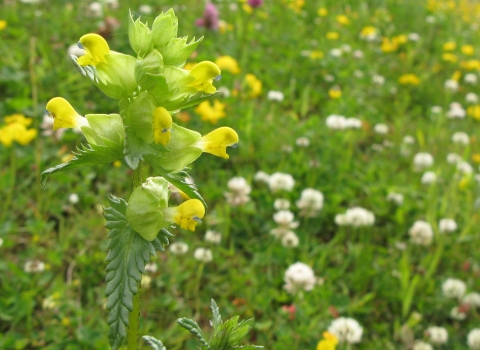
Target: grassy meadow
373, 104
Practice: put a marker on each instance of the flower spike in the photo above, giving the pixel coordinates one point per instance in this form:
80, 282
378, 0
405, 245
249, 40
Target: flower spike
64, 116
96, 47
205, 73
217, 141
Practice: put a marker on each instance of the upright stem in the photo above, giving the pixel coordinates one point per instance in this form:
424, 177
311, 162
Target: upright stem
134, 316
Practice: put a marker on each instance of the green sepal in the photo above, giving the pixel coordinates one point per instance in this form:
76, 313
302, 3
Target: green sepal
154, 343
144, 212
104, 126
141, 116
140, 37
178, 81
175, 160
177, 51
127, 256
149, 74
164, 29
182, 137
116, 78
135, 149
88, 156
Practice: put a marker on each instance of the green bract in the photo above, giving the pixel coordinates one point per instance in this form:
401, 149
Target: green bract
140, 37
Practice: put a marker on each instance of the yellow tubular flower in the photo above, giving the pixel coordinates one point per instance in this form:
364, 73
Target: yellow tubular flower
186, 215
228, 63
217, 141
204, 73
18, 118
96, 47
162, 124
64, 116
330, 337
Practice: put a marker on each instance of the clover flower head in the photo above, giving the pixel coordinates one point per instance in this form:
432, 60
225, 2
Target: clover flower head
447, 225
347, 330
471, 299
203, 255
179, 248
280, 182
437, 335
213, 237
454, 288
64, 116
473, 339
205, 73
217, 141
96, 47
421, 233
421, 345
299, 277
187, 215
162, 124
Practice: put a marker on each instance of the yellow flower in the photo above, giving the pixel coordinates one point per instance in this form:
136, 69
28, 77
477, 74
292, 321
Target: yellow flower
335, 92
474, 112
211, 113
162, 124
449, 57
3, 24
316, 55
64, 116
217, 141
254, 85
329, 342
247, 8
204, 73
449, 46
186, 215
96, 47
17, 132
322, 12
330, 337
409, 79
296, 5
457, 75
117, 164
388, 45
468, 50
332, 35
18, 118
470, 65
400, 39
228, 63
476, 157
342, 19
368, 32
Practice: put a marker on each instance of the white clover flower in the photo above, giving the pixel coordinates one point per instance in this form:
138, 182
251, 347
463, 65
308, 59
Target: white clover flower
347, 330
179, 248
310, 202
396, 198
281, 182
151, 267
203, 255
358, 54
73, 198
277, 96
428, 178
290, 240
422, 160
112, 4
436, 109
34, 266
458, 314
377, 147
213, 237
329, 78
336, 122
421, 233
95, 10
341, 219
353, 123
261, 176
413, 36
299, 277
381, 129
451, 85
437, 335
49, 303
346, 48
472, 299
378, 79
336, 52
302, 142
470, 78
409, 140
471, 97
145, 9
453, 158
146, 281
430, 19
461, 138
281, 204
456, 111
240, 190
447, 225
358, 74
454, 288
285, 218
421, 345
473, 339
356, 217
287, 148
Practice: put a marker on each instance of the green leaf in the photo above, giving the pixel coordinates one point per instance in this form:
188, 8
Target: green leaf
177, 51
135, 149
217, 318
128, 254
88, 156
188, 101
154, 343
194, 328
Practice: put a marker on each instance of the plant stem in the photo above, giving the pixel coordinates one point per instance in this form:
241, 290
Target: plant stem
134, 316
11, 190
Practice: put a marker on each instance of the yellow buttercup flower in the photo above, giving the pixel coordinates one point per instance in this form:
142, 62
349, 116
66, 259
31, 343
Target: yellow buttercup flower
449, 46
449, 57
476, 157
468, 50
3, 24
342, 19
388, 45
400, 39
162, 124
457, 75
470, 65
204, 73
409, 79
316, 55
18, 118
368, 32
187, 215
332, 35
335, 92
64, 116
217, 141
329, 342
474, 112
96, 47
211, 113
322, 12
17, 132
255, 85
228, 63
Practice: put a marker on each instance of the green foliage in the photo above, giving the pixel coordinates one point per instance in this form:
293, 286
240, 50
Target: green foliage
154, 343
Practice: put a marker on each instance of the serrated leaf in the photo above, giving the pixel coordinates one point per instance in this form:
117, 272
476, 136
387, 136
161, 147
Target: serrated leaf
88, 156
154, 343
187, 101
194, 328
128, 254
217, 318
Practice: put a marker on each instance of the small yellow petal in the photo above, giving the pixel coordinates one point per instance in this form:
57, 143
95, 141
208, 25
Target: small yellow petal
162, 124
189, 213
204, 73
64, 115
217, 141
96, 47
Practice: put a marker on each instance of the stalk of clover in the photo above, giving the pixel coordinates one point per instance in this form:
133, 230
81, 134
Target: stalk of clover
148, 88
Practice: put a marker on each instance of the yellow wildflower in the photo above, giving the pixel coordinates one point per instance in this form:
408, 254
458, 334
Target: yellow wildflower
217, 141
342, 19
322, 12
464, 182
368, 32
255, 85
17, 132
388, 45
3, 24
316, 55
18, 118
449, 57
211, 113
335, 92
468, 50
96, 47
474, 112
228, 63
162, 124
400, 39
247, 8
449, 46
332, 35
457, 75
409, 79
470, 65
64, 116
117, 164
297, 5
204, 73
329, 342
476, 157
188, 214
